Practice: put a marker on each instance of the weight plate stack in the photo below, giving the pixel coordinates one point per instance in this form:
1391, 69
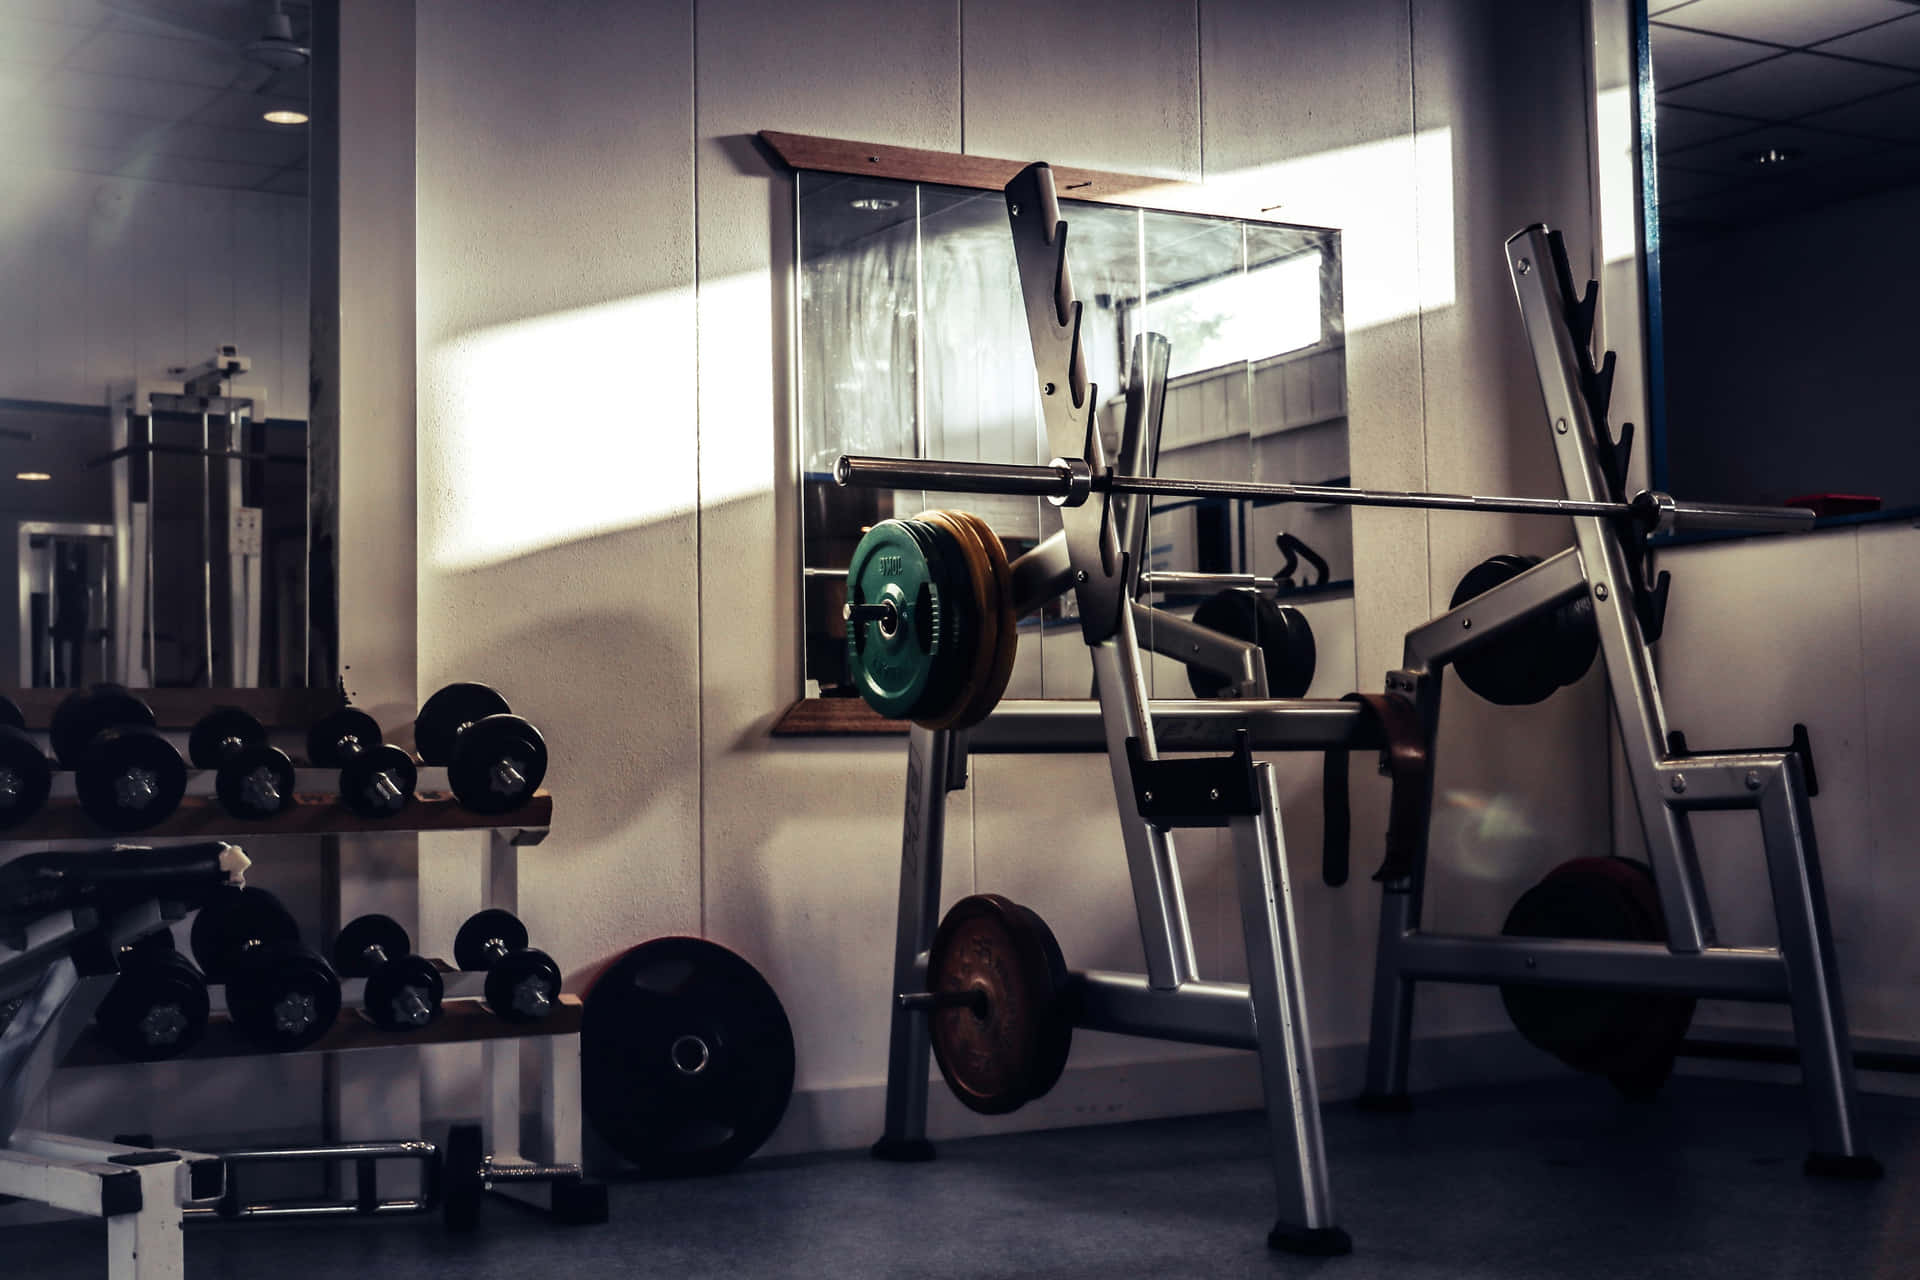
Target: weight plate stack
1629, 1036
1282, 632
1530, 662
686, 1057
1012, 1051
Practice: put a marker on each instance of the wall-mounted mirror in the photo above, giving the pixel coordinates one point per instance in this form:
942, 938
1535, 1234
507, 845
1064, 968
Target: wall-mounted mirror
913, 343
1785, 154
154, 344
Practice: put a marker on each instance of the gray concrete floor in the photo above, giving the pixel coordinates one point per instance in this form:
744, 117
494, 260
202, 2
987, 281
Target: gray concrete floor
1558, 1179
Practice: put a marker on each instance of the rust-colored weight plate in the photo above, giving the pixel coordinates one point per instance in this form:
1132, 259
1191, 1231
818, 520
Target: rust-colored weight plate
1006, 646
977, 665
1012, 1049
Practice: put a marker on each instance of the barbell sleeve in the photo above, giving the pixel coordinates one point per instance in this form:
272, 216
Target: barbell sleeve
952, 477
1662, 514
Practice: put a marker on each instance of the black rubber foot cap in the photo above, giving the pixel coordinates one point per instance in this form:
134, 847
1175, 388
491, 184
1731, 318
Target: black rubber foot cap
1310, 1242
1853, 1168
903, 1150
1392, 1104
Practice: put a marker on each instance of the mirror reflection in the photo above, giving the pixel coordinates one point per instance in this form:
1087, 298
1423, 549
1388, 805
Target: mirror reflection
1787, 149
154, 346
913, 343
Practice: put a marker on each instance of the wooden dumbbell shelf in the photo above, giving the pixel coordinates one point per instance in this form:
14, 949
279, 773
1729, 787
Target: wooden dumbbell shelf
316, 811
462, 1020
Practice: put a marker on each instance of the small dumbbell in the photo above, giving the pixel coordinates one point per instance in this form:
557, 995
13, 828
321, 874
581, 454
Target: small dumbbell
523, 984
253, 780
280, 994
495, 760
403, 990
157, 1007
26, 775
376, 778
127, 775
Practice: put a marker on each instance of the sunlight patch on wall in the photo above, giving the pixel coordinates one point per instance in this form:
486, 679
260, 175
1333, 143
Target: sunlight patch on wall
548, 430
1392, 201
1619, 189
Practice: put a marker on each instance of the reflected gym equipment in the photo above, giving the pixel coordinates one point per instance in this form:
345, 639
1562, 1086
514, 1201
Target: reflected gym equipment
281, 995
404, 991
1281, 631
376, 778
157, 1008
252, 779
686, 1057
127, 775
26, 775
1156, 798
522, 983
495, 760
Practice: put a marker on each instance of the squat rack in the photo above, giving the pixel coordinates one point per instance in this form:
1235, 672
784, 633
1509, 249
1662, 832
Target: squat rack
1095, 556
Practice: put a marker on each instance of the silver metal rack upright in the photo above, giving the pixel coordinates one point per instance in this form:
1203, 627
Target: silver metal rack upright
1095, 556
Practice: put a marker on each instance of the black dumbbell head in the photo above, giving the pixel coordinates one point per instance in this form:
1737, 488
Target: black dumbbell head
497, 764
256, 783
404, 995
378, 783
233, 920
11, 716
283, 996
130, 778
470, 949
523, 986
222, 732
157, 1008
441, 718
26, 776
82, 715
327, 738
358, 936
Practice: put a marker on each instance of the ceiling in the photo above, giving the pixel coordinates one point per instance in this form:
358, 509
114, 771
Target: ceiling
154, 89
1834, 85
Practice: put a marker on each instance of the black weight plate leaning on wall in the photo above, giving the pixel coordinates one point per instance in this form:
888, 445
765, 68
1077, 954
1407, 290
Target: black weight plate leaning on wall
686, 1057
1517, 668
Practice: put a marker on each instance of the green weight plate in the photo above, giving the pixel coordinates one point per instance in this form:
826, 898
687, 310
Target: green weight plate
892, 665
959, 620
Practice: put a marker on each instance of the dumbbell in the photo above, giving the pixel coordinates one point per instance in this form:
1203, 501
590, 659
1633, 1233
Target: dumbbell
404, 990
376, 777
157, 1007
26, 775
253, 780
127, 774
280, 994
523, 984
495, 760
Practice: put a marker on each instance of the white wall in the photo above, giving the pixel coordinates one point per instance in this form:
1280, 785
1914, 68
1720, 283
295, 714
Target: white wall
606, 499
114, 278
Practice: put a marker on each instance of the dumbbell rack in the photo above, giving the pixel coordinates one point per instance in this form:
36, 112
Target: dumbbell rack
1155, 796
317, 811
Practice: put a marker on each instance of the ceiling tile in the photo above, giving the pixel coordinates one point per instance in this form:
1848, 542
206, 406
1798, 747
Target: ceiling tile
153, 99
1676, 127
1788, 86
1788, 22
1680, 55
1810, 148
73, 13
291, 182
1891, 115
1897, 42
41, 43
196, 173
133, 53
1677, 184
247, 146
1659, 7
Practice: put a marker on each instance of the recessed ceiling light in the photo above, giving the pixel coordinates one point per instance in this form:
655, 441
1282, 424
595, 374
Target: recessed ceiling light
32, 475
285, 117
875, 204
1772, 156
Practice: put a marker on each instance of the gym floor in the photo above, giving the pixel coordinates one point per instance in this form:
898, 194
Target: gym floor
1557, 1179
